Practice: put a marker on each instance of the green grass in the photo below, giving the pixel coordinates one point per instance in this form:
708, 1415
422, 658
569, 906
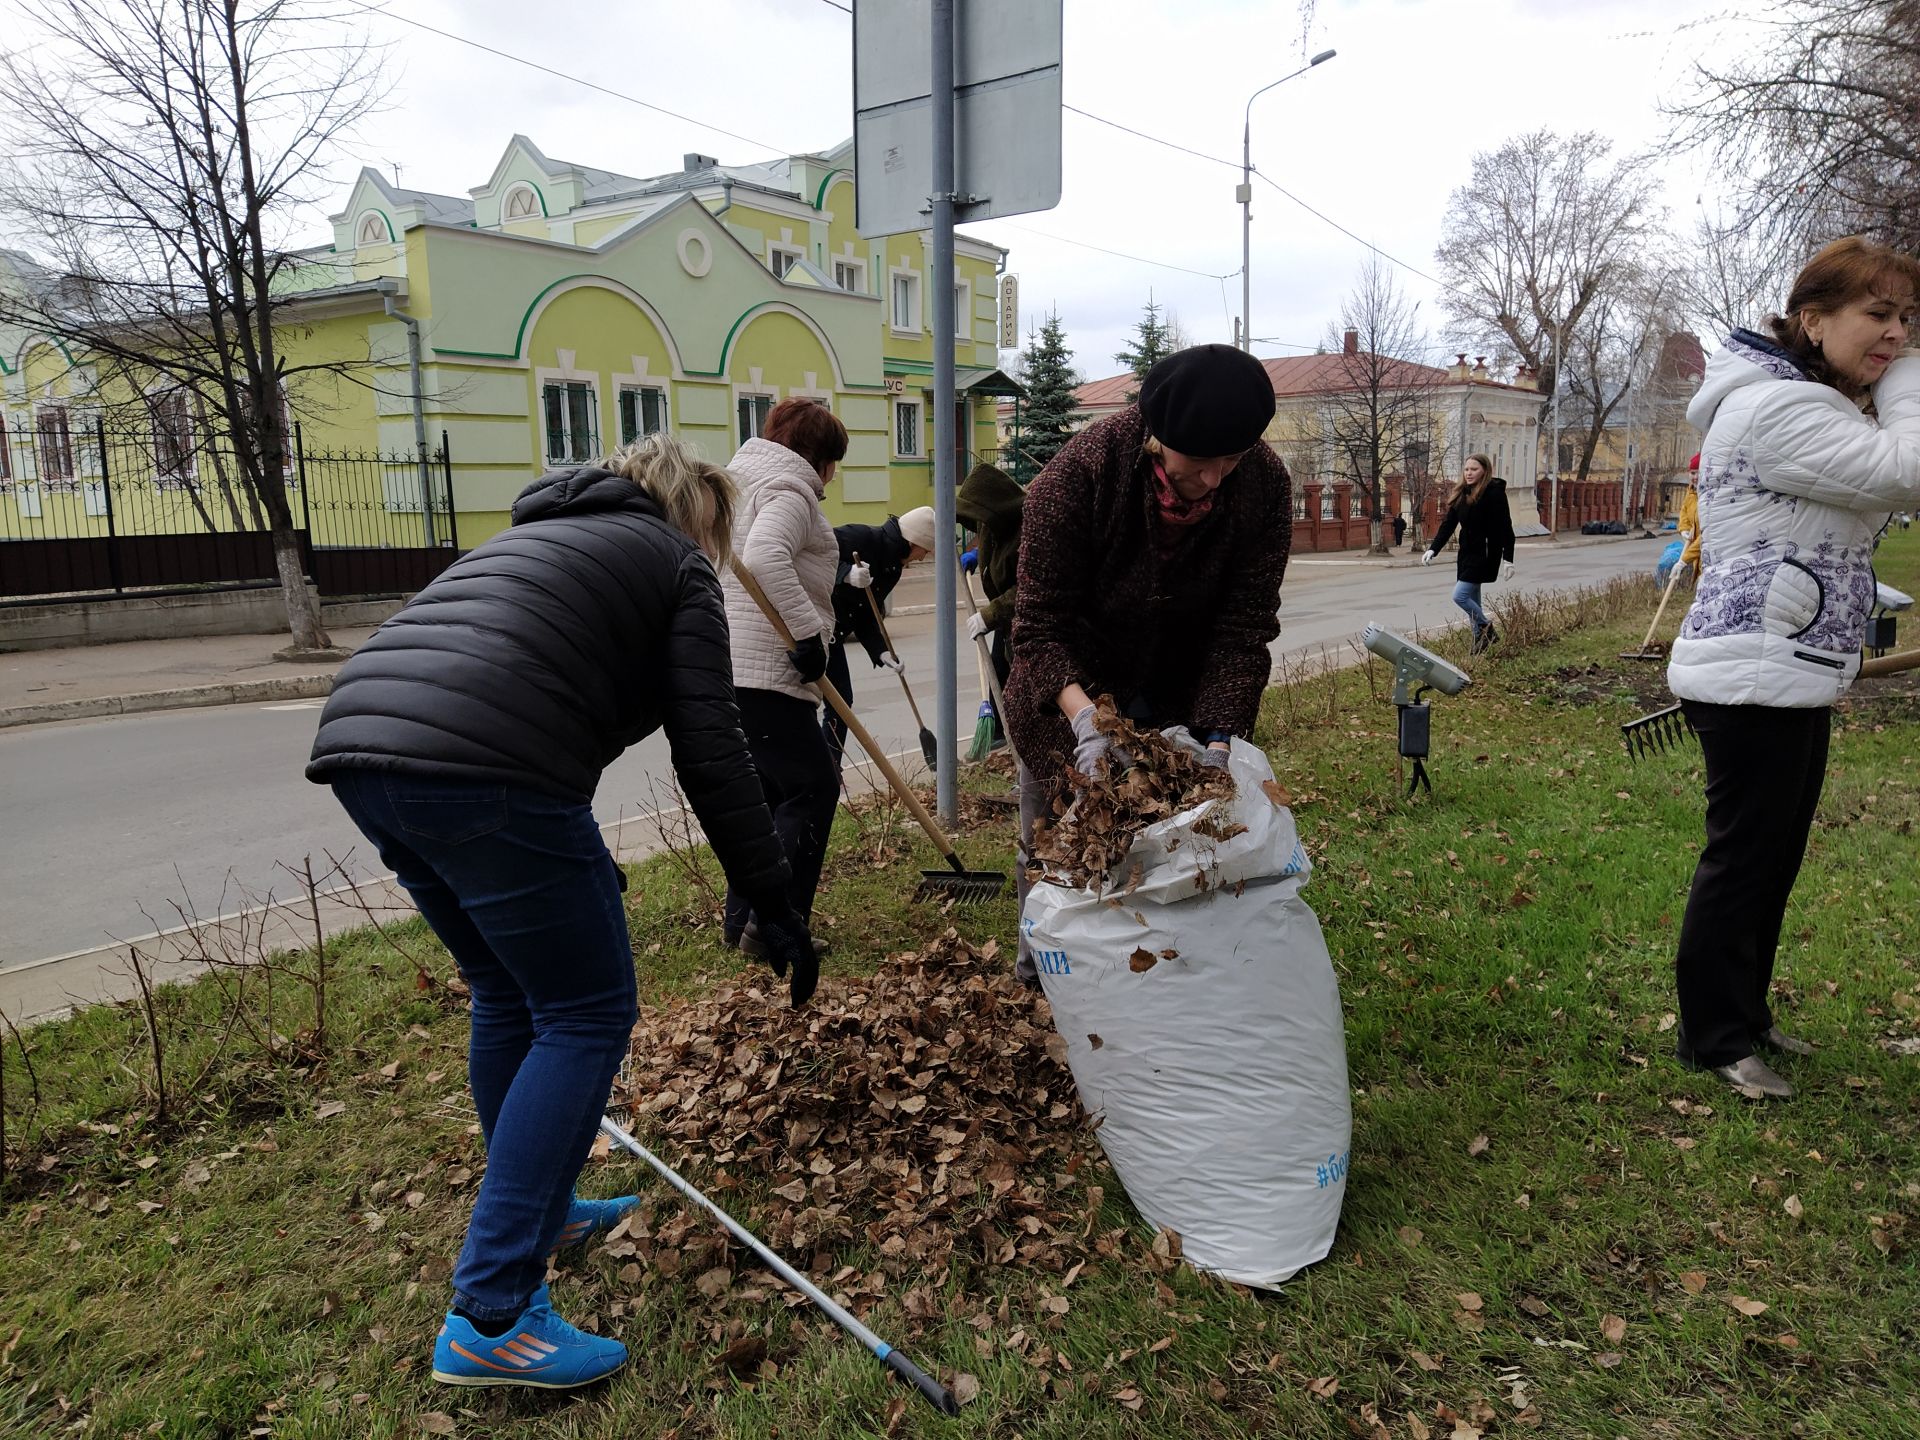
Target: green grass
1504, 949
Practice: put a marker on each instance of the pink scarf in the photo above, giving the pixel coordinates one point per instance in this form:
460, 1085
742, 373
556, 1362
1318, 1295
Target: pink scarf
1173, 509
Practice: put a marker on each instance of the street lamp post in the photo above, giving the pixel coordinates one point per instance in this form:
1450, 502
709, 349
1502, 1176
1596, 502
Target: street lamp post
1245, 196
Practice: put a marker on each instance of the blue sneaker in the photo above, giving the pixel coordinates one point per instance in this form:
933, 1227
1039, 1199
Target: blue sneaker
539, 1350
588, 1218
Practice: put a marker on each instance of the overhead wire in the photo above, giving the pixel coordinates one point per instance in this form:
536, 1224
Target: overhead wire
572, 79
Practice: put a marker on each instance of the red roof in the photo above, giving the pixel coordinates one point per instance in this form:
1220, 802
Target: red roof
1291, 375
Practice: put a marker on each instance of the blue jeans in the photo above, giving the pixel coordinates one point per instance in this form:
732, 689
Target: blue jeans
1466, 594
520, 888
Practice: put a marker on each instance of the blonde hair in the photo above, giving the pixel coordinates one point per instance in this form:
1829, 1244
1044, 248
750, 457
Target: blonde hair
698, 498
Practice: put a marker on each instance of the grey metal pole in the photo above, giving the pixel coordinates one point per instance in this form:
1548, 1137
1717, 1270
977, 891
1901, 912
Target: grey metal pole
1553, 504
945, 644
1246, 230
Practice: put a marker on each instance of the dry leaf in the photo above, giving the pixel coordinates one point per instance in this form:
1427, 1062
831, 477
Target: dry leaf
1130, 1398
1613, 1328
1608, 1359
1793, 1206
1478, 1145
1409, 1236
330, 1109
1142, 961
1324, 1386
1423, 1360
437, 1422
195, 1176
965, 1388
1747, 1307
1094, 1042
1535, 1306
1469, 1301
1417, 1428
1694, 1282
742, 1357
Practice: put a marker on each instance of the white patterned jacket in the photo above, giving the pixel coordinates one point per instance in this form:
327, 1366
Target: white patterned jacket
1795, 484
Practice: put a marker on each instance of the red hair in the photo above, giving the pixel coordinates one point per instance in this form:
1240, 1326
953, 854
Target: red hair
810, 430
1851, 269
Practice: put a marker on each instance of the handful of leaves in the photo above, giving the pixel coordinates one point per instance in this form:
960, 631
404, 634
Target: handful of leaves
1097, 818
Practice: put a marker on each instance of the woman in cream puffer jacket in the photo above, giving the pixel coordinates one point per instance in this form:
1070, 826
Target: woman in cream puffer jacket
1796, 481
782, 536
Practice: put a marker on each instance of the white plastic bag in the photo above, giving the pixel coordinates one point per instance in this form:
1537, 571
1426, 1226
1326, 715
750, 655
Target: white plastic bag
1203, 1024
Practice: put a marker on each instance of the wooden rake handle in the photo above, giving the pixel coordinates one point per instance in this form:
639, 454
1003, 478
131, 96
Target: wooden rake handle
824, 688
986, 659
1673, 578
880, 619
1890, 664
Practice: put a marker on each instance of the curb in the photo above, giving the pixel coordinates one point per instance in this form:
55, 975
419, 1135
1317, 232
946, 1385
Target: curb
238, 692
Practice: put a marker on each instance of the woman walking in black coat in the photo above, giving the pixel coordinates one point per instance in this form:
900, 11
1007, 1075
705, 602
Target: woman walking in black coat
1477, 507
466, 739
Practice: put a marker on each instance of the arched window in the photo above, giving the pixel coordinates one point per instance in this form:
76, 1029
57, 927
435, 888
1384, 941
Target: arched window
521, 204
373, 229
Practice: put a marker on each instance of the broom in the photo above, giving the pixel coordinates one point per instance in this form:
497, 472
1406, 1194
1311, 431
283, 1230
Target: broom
982, 744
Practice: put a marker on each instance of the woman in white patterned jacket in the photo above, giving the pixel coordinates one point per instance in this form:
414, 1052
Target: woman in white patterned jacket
1812, 440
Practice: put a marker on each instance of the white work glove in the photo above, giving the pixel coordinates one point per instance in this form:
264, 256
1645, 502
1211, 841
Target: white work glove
1427, 559
892, 662
859, 575
976, 626
1090, 747
1214, 757
1506, 569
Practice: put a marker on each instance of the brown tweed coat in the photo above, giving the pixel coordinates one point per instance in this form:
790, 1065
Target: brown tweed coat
1177, 619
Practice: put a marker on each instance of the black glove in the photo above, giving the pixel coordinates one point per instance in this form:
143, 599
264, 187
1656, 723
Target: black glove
789, 950
809, 657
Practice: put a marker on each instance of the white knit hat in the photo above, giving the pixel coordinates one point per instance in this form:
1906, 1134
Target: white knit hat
917, 526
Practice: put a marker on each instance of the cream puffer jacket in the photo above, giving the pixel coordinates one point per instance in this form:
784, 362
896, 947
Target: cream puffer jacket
781, 534
1795, 484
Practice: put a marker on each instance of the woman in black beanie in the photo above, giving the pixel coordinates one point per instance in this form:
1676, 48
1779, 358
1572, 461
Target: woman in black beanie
1151, 553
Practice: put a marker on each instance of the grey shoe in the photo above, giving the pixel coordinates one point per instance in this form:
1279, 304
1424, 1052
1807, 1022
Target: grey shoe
1781, 1043
1755, 1079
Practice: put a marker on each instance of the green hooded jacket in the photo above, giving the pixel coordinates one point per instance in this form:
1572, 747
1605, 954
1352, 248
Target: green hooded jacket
988, 503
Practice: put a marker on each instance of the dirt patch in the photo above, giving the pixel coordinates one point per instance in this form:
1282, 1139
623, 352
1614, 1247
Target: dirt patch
1641, 683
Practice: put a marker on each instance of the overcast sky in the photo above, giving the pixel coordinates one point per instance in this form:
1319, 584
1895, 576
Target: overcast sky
1376, 138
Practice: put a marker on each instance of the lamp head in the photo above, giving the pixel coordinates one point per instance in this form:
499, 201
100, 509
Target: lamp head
1414, 668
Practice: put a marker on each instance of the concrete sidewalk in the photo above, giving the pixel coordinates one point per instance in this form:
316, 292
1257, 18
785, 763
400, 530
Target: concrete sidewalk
43, 686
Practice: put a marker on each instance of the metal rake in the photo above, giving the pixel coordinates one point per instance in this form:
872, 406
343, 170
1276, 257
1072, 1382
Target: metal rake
1661, 731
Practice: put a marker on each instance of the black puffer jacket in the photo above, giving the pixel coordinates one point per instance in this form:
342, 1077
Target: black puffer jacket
884, 551
1486, 534
542, 654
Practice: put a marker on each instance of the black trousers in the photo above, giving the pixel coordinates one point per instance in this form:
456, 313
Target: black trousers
1765, 768
802, 786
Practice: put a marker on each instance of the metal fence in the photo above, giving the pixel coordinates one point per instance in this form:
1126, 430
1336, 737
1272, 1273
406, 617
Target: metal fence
87, 509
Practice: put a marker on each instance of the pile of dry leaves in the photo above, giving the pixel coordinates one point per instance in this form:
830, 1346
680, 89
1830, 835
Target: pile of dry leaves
909, 1116
1096, 821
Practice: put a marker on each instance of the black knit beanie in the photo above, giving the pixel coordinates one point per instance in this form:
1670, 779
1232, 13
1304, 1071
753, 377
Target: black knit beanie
1207, 401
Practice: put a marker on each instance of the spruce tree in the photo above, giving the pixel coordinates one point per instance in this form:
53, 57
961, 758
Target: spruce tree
1153, 342
1047, 414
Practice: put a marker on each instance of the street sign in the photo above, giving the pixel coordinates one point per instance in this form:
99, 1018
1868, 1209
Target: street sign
1006, 110
1009, 312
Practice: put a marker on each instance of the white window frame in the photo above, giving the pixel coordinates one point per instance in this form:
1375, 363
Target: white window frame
913, 325
186, 471
362, 232
743, 394
66, 478
963, 310
778, 251
856, 267
564, 385
901, 405
637, 391
514, 191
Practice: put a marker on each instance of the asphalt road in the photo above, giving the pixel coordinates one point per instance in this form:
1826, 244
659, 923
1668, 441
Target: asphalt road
111, 824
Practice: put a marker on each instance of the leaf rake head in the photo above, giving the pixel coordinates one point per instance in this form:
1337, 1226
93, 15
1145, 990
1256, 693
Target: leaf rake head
965, 886
1661, 731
